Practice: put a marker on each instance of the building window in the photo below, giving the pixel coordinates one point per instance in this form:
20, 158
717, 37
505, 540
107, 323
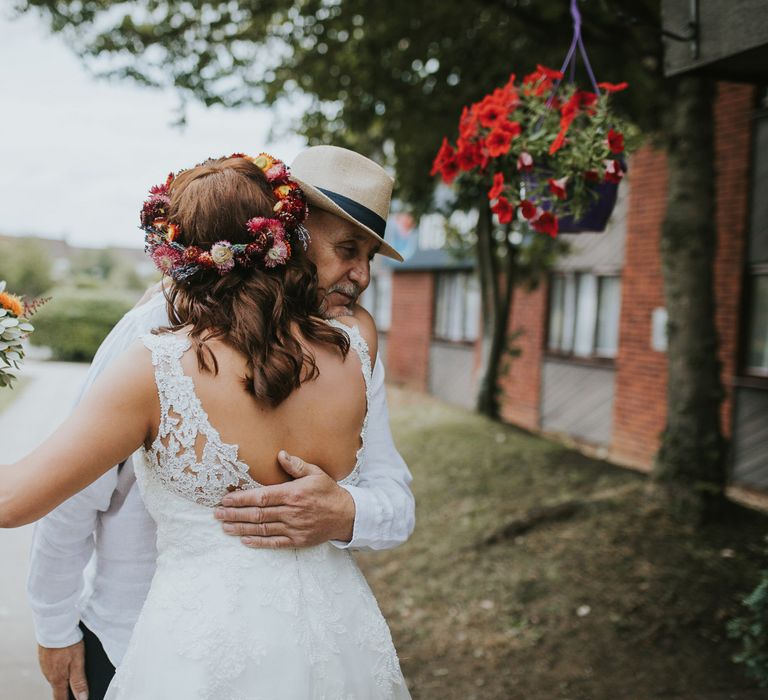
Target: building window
378, 300
757, 348
584, 314
457, 307
756, 282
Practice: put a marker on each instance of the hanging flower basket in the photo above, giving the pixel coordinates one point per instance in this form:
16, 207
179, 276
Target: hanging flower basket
14, 328
600, 205
548, 152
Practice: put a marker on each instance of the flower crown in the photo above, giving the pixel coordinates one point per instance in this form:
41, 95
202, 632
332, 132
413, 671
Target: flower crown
272, 237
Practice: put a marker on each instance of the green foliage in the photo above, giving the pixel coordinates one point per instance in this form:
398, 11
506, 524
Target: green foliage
26, 266
75, 322
751, 629
386, 78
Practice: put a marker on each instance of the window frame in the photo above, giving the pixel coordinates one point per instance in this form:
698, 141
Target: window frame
435, 336
594, 359
746, 375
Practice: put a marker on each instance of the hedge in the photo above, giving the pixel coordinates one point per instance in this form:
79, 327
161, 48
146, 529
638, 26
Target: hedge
75, 322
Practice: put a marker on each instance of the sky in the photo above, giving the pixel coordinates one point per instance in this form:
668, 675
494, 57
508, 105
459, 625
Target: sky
79, 153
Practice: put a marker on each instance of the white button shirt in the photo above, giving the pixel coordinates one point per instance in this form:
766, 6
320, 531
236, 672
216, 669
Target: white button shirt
93, 557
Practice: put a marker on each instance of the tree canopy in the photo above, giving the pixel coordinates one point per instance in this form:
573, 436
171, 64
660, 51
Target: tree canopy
387, 78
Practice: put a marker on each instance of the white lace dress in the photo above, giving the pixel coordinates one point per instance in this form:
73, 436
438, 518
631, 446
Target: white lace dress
225, 622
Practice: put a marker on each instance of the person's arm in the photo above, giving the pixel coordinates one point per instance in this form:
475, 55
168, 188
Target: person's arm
385, 509
90, 442
63, 541
377, 513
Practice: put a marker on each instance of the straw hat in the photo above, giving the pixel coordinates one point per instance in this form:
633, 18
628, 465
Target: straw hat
348, 185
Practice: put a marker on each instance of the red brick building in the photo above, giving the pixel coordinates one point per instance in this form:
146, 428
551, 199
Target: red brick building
593, 364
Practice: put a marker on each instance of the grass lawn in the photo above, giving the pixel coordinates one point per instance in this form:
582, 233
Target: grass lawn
8, 396
614, 602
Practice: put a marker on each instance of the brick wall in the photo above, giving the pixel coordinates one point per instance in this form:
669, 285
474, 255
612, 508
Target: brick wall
733, 116
522, 383
410, 334
641, 379
641, 373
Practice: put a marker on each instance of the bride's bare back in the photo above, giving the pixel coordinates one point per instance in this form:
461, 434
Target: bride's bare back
321, 420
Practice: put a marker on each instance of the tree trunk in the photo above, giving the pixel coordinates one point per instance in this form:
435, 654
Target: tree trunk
690, 467
497, 287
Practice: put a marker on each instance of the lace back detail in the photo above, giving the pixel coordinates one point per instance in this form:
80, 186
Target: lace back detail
188, 455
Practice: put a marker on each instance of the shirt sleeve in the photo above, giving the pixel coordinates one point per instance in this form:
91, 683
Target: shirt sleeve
63, 541
384, 505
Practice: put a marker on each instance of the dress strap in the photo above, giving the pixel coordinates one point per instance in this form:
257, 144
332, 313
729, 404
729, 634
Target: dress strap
360, 346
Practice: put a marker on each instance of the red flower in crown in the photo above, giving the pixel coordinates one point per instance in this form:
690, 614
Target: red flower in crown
166, 258
278, 254
156, 207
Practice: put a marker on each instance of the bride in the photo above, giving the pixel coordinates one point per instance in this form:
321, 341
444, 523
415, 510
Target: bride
246, 367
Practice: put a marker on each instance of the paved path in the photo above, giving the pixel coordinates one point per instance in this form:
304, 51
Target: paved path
35, 414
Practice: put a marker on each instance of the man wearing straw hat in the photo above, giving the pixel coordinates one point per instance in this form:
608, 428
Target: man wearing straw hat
93, 557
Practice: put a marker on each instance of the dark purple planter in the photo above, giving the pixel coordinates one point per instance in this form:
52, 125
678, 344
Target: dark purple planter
595, 219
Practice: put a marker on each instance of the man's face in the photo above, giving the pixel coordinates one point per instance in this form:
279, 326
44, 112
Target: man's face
342, 254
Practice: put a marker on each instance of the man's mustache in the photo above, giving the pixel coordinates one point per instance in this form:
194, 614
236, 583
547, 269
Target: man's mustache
351, 290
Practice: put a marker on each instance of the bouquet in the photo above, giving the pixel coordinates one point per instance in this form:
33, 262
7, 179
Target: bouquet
14, 328
540, 147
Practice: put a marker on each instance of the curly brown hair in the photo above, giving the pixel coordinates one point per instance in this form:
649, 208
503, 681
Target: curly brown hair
259, 312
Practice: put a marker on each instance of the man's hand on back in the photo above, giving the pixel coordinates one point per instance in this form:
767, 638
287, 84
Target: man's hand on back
307, 511
64, 669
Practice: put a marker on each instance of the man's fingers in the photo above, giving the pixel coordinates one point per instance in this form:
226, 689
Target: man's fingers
296, 466
261, 530
77, 679
278, 542
60, 691
275, 495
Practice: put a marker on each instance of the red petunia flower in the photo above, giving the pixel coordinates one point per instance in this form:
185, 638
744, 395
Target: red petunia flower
445, 163
591, 175
613, 171
615, 141
500, 139
528, 209
491, 113
557, 187
469, 155
504, 210
613, 87
546, 223
468, 123
498, 186
549, 73
525, 162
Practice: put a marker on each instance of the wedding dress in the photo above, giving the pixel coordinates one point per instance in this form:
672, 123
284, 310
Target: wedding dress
226, 622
